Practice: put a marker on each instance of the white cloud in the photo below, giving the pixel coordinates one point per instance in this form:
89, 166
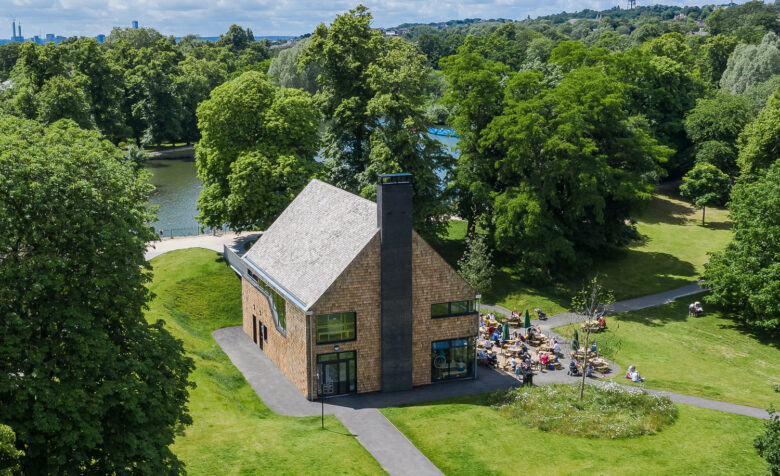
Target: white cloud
264, 17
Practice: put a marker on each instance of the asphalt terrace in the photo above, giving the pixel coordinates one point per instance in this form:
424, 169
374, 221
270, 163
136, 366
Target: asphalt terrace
359, 414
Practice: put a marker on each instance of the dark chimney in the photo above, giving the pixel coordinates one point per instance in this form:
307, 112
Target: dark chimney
394, 218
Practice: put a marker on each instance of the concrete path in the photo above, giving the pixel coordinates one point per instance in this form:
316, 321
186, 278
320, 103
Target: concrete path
394, 452
233, 240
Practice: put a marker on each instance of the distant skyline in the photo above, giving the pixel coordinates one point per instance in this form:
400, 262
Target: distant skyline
265, 17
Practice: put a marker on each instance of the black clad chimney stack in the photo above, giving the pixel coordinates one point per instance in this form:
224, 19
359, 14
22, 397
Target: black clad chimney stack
394, 219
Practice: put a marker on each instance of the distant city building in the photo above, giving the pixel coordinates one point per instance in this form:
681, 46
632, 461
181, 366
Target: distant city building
100, 38
16, 33
49, 37
135, 24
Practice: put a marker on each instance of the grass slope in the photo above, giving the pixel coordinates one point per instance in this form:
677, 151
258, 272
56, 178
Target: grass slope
710, 356
233, 431
466, 436
671, 254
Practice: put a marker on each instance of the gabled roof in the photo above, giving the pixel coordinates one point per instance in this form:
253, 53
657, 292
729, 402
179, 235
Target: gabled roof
313, 241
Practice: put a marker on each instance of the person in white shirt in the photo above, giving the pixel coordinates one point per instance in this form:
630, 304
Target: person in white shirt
557, 348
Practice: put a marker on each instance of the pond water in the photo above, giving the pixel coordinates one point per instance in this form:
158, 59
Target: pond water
177, 189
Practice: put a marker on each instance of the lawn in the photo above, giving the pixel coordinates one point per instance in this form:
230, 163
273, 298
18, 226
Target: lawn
233, 431
671, 254
467, 436
710, 356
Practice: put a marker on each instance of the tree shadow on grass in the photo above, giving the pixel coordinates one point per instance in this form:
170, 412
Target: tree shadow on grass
759, 335
663, 210
718, 225
635, 273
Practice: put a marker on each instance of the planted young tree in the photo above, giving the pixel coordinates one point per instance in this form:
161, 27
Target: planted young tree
87, 384
705, 185
476, 264
9, 454
590, 303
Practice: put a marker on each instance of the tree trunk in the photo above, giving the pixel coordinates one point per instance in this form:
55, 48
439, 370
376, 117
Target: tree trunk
703, 211
585, 360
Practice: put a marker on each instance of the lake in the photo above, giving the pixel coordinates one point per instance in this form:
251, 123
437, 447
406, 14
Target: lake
177, 192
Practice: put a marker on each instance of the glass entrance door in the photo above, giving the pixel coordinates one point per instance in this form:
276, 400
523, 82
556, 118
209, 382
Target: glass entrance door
337, 373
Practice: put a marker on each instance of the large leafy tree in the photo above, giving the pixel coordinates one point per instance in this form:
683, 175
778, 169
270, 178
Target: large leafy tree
344, 51
714, 55
373, 94
256, 151
759, 145
750, 64
745, 277
576, 167
193, 84
476, 96
714, 126
284, 69
87, 384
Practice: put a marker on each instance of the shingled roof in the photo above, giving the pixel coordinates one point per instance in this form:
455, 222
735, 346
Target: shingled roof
313, 241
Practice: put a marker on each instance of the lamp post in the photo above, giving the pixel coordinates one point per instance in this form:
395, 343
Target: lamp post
322, 400
477, 297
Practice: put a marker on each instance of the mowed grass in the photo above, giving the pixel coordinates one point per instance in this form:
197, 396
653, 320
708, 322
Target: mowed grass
233, 431
466, 436
709, 356
671, 254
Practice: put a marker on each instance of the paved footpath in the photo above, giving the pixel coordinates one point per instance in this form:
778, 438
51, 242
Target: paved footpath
233, 240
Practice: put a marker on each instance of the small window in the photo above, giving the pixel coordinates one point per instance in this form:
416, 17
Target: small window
453, 308
277, 301
336, 327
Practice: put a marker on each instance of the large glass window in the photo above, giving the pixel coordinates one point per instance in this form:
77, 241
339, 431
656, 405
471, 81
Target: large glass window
336, 327
452, 359
453, 308
337, 373
278, 302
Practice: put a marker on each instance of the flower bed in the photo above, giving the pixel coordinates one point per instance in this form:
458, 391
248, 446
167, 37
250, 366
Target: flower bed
608, 411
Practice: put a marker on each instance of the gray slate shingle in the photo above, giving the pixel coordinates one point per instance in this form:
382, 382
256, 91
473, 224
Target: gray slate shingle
314, 240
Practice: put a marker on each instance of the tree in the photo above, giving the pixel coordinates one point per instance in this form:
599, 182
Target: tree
745, 277
476, 264
705, 185
236, 38
759, 144
136, 38
9, 54
63, 98
285, 71
9, 455
576, 168
475, 95
714, 55
768, 443
344, 52
87, 384
714, 126
256, 151
752, 64
195, 80
590, 303
748, 21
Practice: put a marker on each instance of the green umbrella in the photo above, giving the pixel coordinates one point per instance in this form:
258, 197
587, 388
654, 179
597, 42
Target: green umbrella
505, 332
575, 341
527, 322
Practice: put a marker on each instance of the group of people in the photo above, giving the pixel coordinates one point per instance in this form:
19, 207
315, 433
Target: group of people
695, 309
633, 374
574, 369
522, 366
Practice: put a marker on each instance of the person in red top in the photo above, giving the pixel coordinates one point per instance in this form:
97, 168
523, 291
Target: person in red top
602, 322
544, 359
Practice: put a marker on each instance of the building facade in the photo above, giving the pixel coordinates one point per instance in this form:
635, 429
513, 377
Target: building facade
344, 297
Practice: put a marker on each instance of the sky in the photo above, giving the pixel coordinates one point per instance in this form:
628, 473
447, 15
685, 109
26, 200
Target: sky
264, 17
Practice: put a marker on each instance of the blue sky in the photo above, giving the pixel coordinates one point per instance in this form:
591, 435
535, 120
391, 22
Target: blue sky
264, 17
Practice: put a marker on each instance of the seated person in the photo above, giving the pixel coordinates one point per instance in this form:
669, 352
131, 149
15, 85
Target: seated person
500, 328
698, 307
602, 322
513, 363
594, 348
524, 349
630, 371
635, 377
573, 367
483, 355
491, 330
492, 360
494, 337
544, 359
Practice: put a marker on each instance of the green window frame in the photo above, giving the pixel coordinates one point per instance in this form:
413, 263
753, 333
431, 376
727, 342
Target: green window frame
278, 303
453, 308
336, 327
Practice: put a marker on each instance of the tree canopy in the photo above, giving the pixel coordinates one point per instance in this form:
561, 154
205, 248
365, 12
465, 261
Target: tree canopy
705, 185
745, 277
82, 374
256, 152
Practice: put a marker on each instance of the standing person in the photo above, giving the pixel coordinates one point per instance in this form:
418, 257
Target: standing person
556, 348
692, 309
